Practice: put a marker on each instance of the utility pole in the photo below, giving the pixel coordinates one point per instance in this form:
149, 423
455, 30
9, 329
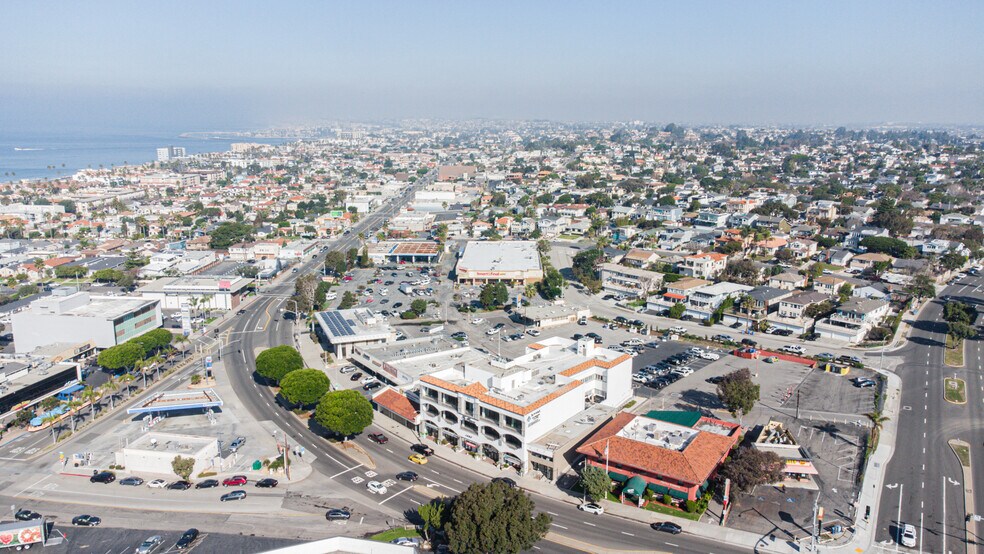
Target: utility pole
797, 403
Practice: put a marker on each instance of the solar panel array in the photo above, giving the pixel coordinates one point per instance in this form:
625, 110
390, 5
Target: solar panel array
338, 326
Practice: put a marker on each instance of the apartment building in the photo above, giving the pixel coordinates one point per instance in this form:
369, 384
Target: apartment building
629, 281
852, 320
703, 266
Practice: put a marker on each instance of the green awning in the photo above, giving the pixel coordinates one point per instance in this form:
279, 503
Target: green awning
618, 477
635, 486
658, 489
678, 494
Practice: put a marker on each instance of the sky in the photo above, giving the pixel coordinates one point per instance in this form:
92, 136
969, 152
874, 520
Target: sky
223, 65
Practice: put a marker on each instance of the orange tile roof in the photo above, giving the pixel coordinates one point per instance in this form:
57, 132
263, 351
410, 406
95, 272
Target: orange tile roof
693, 465
397, 403
479, 391
594, 362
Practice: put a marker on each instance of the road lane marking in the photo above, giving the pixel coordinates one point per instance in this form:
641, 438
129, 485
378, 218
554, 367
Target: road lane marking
560, 526
392, 496
591, 524
553, 514
671, 544
346, 471
629, 534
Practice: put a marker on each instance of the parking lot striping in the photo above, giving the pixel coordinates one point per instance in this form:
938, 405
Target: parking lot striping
346, 471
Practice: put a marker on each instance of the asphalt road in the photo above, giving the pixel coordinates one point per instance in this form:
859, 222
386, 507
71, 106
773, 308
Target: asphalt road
260, 328
923, 480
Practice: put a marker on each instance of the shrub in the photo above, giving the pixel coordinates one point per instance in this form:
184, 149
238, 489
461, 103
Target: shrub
690, 506
667, 499
274, 363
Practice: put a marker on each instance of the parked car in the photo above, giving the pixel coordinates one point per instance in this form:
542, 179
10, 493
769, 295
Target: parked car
793, 348
157, 484
234, 481
591, 508
722, 338
749, 342
505, 480
667, 527
378, 438
347, 369
237, 443
267, 483
207, 484
533, 332
179, 486
356, 376
234, 495
338, 514
710, 356
375, 487
422, 449
105, 477
187, 539
86, 520
149, 545
372, 386
825, 356
407, 476
131, 481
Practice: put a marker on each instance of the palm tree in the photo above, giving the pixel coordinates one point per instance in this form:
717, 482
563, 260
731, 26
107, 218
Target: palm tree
72, 406
50, 420
110, 387
128, 378
877, 419
91, 395
182, 340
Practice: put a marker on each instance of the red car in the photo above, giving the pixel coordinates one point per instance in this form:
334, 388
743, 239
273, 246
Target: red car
378, 438
234, 481
347, 278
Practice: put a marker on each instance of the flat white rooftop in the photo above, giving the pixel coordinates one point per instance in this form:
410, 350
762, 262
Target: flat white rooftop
515, 255
658, 433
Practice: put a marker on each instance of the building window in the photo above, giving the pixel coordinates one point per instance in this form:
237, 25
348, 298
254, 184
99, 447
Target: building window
513, 423
490, 415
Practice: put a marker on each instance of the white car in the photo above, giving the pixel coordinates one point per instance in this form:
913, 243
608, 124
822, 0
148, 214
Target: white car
709, 356
591, 508
347, 369
639, 378
478, 321
491, 331
632, 342
157, 484
533, 332
683, 371
150, 545
678, 330
376, 487
367, 380
908, 535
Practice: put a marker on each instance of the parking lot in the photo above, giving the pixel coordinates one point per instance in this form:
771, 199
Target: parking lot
124, 541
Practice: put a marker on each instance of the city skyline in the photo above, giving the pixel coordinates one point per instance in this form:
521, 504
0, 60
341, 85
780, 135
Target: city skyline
226, 66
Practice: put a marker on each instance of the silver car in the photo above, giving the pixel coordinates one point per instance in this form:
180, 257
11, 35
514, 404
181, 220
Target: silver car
149, 545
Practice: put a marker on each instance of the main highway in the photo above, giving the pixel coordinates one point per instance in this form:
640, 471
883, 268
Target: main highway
259, 327
923, 484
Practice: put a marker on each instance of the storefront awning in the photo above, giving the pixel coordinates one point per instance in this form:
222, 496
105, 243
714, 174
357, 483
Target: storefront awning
618, 477
800, 466
635, 486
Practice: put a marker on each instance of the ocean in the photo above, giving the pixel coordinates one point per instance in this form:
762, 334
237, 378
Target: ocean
51, 155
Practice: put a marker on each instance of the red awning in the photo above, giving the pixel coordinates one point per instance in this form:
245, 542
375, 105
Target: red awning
800, 466
673, 296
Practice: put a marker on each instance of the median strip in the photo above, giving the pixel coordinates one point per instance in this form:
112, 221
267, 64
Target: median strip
955, 390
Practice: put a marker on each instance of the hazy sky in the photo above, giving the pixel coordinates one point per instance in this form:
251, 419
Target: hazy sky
212, 64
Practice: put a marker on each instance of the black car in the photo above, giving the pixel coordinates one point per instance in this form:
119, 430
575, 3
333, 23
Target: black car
338, 514
422, 449
577, 336
407, 476
667, 527
187, 539
104, 477
749, 342
398, 305
179, 486
716, 379
26, 515
782, 332
505, 480
131, 481
267, 483
207, 484
355, 376
372, 386
86, 520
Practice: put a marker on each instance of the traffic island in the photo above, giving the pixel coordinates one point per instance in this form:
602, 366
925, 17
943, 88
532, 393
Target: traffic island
962, 450
953, 354
955, 390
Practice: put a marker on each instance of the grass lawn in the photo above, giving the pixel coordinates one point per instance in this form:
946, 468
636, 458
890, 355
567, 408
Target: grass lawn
830, 267
955, 390
953, 354
387, 536
661, 509
963, 454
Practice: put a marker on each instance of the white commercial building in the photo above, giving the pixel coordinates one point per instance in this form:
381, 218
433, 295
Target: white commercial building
153, 453
169, 153
346, 329
499, 408
68, 316
213, 293
513, 262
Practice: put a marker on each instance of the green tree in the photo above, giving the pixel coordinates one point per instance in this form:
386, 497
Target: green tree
71, 271
433, 515
183, 467
595, 482
738, 393
552, 285
749, 467
275, 363
494, 517
888, 245
336, 263
952, 260
229, 233
304, 387
154, 341
122, 356
584, 268
677, 310
418, 307
348, 300
107, 275
344, 412
960, 331
922, 286
493, 295
844, 292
